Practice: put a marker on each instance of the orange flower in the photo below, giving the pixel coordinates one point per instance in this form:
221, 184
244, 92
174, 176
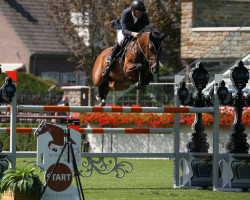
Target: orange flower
163, 120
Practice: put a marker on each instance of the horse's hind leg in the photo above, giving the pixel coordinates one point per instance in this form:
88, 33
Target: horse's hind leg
103, 90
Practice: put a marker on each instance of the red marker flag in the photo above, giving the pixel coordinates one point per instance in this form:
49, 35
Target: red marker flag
13, 75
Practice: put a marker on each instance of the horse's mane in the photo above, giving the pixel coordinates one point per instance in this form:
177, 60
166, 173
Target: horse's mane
149, 28
155, 35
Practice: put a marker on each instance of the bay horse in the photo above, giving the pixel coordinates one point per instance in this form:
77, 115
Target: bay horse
56, 133
138, 66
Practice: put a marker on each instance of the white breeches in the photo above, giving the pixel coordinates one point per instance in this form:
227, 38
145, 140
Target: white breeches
120, 37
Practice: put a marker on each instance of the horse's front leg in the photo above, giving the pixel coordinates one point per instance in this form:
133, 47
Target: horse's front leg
139, 84
103, 90
51, 147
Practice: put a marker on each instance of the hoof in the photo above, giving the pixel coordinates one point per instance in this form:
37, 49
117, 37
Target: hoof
138, 85
98, 98
102, 103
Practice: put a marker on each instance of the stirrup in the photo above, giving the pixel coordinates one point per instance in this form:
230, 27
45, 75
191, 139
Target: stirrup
106, 70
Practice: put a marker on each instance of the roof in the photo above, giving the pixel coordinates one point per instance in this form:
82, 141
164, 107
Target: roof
11, 66
29, 20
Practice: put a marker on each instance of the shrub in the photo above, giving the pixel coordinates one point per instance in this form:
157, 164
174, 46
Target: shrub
23, 180
29, 82
25, 142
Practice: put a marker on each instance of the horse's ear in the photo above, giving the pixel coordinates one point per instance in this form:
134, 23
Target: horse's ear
163, 36
151, 36
155, 36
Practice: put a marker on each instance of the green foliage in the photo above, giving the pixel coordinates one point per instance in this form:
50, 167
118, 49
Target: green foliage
30, 83
25, 142
23, 180
164, 69
166, 16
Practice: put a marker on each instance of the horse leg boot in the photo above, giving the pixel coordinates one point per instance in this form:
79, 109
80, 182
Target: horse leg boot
113, 54
139, 84
103, 90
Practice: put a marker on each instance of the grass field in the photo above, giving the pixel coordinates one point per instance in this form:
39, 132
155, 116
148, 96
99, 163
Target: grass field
150, 179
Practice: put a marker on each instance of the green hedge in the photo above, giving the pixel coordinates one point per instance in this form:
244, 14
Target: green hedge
29, 82
35, 85
25, 142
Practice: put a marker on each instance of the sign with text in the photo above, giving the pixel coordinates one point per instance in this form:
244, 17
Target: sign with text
50, 142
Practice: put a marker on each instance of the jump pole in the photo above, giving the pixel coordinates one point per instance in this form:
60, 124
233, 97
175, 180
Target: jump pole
23, 108
137, 109
103, 130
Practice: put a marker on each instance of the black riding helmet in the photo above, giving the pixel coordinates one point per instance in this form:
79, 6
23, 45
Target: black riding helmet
138, 5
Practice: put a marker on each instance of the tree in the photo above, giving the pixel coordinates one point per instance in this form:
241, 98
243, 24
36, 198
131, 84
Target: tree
166, 16
83, 27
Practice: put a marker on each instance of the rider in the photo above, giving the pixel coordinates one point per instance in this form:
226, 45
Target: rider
133, 20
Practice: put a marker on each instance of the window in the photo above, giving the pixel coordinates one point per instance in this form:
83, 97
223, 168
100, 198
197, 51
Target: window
66, 78
52, 75
221, 13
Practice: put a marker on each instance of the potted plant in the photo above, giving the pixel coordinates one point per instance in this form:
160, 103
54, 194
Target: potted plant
20, 183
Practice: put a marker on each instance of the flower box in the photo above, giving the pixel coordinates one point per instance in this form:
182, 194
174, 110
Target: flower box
17, 195
160, 142
156, 120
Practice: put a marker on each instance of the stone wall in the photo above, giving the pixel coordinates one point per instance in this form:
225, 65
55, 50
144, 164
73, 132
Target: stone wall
196, 41
78, 95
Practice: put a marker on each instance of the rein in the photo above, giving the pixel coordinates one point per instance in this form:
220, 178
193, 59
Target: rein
145, 57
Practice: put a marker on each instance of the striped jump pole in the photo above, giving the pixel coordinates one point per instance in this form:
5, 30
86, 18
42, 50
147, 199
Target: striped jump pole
134, 109
104, 130
5, 108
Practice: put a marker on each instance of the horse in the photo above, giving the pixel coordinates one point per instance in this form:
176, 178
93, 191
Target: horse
56, 133
137, 67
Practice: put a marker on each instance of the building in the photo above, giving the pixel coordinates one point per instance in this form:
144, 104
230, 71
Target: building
28, 43
215, 31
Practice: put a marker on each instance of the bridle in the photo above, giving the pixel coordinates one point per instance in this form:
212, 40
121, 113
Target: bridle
147, 58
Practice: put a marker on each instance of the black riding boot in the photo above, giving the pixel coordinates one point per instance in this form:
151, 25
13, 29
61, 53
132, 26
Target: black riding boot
114, 52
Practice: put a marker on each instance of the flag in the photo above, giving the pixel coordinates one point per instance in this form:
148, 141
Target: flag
12, 75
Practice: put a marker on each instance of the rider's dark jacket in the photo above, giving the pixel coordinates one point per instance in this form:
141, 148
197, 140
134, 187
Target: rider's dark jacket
127, 22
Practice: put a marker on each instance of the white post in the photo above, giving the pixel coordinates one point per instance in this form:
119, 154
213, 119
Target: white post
114, 98
178, 79
13, 114
218, 79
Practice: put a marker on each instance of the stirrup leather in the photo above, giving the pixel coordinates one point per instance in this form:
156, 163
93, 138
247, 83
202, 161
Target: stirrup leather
107, 70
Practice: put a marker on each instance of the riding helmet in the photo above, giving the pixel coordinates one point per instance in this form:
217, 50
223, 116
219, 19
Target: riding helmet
138, 5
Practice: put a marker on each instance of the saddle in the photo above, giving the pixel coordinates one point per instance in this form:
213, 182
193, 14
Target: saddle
120, 58
121, 54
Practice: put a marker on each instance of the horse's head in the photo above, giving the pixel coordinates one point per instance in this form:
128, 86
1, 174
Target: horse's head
153, 50
41, 129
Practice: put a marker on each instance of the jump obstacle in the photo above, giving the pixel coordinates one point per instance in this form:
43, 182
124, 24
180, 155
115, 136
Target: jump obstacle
134, 109
14, 109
